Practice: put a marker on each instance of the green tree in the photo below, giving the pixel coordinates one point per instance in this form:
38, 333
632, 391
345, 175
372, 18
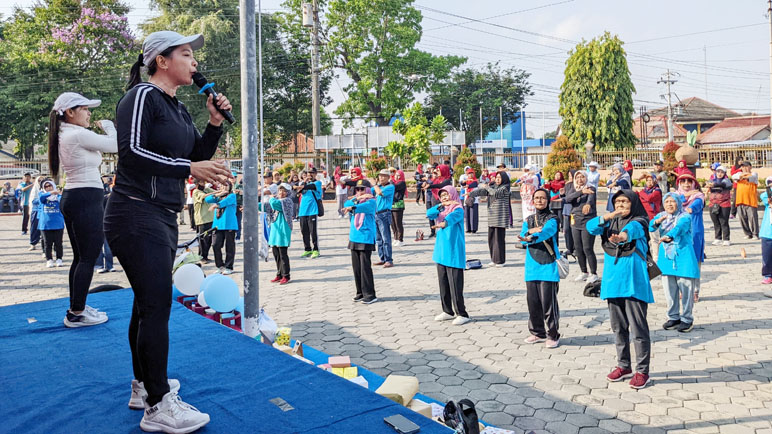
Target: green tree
374, 43
562, 158
82, 46
466, 158
466, 90
418, 135
596, 97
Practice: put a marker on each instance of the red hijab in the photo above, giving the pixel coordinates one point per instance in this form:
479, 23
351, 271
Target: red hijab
356, 174
420, 169
556, 184
444, 174
470, 176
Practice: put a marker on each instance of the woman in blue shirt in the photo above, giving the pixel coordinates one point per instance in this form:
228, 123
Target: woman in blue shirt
765, 234
280, 213
625, 284
361, 209
539, 235
310, 191
224, 207
51, 223
620, 180
676, 260
693, 204
450, 254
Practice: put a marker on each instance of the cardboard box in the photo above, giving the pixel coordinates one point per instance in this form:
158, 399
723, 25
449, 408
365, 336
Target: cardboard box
399, 388
421, 407
283, 348
339, 361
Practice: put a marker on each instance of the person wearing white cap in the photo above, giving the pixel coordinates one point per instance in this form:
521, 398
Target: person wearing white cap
78, 151
158, 147
593, 176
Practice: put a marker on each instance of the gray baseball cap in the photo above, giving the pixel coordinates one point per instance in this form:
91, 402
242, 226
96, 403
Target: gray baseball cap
157, 42
69, 100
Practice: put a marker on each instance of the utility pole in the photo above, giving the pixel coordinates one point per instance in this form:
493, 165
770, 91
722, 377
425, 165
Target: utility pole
315, 110
501, 125
668, 80
769, 17
705, 61
249, 90
481, 136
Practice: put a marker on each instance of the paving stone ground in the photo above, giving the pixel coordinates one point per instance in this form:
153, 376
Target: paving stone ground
714, 379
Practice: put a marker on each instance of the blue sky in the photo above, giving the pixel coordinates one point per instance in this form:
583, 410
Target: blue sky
725, 44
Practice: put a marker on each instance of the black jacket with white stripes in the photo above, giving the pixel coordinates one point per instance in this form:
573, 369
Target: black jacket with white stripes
156, 143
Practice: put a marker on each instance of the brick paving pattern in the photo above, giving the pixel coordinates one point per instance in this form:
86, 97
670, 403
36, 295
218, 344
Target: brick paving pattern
714, 379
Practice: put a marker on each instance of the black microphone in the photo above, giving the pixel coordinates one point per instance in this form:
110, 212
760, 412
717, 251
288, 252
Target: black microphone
208, 89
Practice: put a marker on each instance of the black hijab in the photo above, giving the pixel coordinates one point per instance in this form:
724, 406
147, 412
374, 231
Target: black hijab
504, 179
539, 252
637, 213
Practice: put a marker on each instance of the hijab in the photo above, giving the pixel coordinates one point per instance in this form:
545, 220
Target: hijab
637, 213
586, 180
671, 220
542, 215
287, 207
446, 210
539, 251
624, 175
557, 184
337, 174
444, 175
471, 176
356, 174
420, 169
688, 200
504, 179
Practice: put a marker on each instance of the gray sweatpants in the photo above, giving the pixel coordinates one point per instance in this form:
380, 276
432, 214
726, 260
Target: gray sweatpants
749, 220
629, 315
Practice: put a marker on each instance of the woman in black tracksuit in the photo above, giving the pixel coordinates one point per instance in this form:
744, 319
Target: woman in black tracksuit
158, 147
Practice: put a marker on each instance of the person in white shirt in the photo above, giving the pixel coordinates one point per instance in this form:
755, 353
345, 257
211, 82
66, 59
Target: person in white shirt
593, 176
190, 185
79, 151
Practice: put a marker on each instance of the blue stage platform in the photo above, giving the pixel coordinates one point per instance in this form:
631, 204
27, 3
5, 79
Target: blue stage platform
57, 380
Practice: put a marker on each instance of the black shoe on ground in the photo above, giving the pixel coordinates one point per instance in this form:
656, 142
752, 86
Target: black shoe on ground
671, 324
685, 327
358, 297
369, 300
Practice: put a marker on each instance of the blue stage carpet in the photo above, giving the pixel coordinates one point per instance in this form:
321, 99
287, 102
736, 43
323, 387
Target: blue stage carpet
58, 380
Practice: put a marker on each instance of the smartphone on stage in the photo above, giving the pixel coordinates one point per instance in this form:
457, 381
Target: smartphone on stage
401, 424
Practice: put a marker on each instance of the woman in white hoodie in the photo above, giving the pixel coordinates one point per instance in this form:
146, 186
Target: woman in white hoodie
79, 150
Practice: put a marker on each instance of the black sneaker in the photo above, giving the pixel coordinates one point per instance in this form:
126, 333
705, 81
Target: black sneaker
369, 300
685, 327
358, 297
671, 324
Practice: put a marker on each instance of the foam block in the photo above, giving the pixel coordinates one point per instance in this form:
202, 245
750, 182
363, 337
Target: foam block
360, 380
421, 407
399, 388
339, 361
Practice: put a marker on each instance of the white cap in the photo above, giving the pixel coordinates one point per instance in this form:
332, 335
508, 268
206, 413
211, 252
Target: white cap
769, 179
721, 168
594, 163
157, 42
285, 186
69, 100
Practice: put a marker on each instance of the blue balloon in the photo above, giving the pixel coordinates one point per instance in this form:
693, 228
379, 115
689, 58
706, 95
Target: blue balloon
222, 294
209, 279
240, 307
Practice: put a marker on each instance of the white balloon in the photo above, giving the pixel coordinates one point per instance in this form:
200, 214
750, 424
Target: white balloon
201, 301
188, 279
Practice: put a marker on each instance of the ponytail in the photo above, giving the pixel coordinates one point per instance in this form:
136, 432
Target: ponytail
135, 76
54, 119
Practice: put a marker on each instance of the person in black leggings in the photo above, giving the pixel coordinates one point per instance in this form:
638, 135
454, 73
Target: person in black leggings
78, 150
158, 147
581, 196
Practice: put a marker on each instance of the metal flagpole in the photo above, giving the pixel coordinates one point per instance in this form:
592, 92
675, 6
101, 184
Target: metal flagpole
260, 84
249, 136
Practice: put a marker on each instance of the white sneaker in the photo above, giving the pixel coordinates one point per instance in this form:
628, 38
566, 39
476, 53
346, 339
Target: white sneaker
727, 243
31, 248
489, 265
173, 415
59, 263
581, 277
716, 242
500, 265
593, 278
219, 270
227, 271
139, 394
443, 317
85, 319
461, 320
95, 312
50, 263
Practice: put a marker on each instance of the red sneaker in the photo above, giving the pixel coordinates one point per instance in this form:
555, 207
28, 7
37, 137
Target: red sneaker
284, 281
276, 279
618, 374
639, 381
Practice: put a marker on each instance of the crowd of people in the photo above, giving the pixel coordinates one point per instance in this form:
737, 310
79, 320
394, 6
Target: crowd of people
165, 171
